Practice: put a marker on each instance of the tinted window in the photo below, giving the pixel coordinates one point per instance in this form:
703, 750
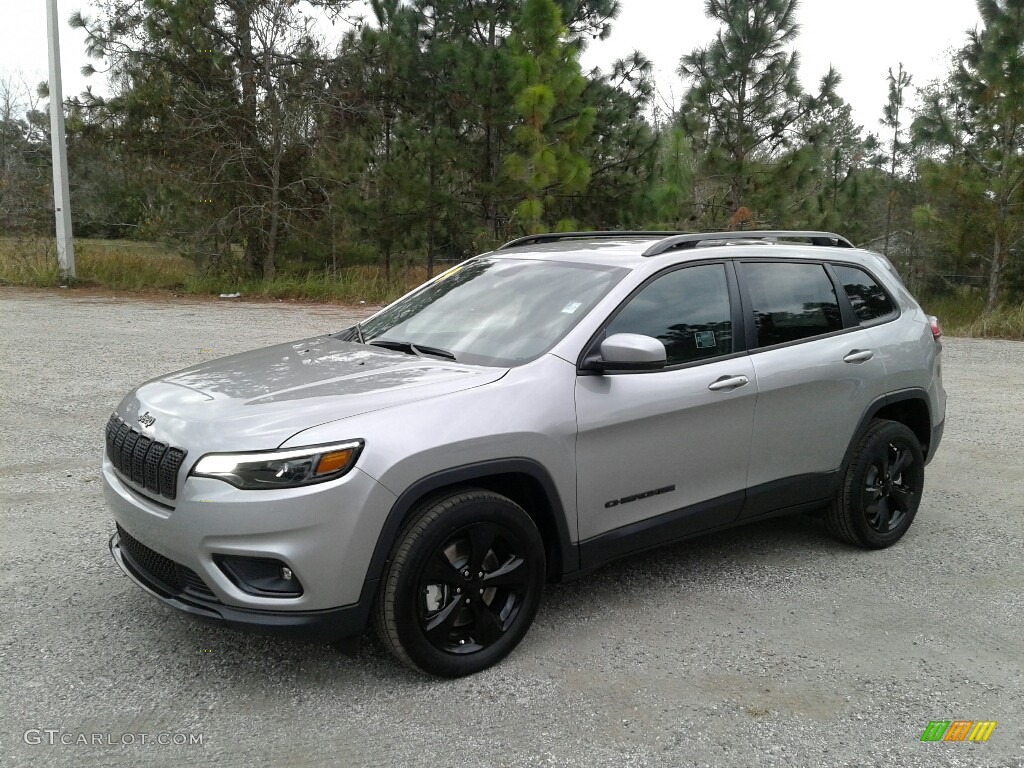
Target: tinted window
791, 301
868, 299
688, 310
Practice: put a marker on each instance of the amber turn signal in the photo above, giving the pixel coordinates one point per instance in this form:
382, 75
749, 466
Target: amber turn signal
331, 462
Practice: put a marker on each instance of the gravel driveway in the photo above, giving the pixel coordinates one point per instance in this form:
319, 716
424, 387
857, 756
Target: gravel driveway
766, 645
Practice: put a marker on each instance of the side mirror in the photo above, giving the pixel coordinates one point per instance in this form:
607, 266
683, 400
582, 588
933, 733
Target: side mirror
631, 352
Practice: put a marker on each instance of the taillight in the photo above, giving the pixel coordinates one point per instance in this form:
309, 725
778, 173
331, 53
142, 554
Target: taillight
936, 330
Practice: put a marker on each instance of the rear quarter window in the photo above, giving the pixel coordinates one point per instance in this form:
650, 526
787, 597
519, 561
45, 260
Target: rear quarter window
870, 301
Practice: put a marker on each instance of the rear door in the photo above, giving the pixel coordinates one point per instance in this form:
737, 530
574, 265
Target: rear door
817, 371
668, 449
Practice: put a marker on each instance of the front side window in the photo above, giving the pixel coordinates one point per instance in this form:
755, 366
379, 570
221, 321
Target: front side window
868, 298
493, 311
688, 310
791, 301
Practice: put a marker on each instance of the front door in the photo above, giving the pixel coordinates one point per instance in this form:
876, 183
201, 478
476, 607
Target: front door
662, 454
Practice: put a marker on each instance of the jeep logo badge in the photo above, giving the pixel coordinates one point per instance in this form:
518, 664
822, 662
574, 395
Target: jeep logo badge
146, 420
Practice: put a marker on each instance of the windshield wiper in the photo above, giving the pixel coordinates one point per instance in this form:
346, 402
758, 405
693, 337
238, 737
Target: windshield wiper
412, 349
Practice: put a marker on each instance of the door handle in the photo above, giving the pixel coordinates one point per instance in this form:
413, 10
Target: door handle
728, 382
858, 356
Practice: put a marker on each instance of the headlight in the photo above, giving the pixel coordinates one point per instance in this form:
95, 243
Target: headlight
280, 469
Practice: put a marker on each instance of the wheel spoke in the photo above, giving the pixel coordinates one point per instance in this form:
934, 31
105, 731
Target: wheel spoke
439, 570
439, 627
486, 626
902, 498
903, 460
884, 514
481, 538
511, 574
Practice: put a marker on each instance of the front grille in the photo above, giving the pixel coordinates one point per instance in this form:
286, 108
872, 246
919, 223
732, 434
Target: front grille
170, 574
147, 463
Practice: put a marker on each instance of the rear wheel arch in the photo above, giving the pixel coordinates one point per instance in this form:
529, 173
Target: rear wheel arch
909, 407
522, 480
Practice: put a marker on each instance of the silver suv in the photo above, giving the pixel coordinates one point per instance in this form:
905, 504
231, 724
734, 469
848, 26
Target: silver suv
525, 417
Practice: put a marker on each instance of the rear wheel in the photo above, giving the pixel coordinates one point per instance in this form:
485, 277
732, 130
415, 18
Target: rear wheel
881, 489
463, 584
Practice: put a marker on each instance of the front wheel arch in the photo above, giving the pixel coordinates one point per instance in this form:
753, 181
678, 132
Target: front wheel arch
522, 480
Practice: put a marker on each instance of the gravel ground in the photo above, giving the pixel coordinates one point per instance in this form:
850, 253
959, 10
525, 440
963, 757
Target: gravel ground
767, 645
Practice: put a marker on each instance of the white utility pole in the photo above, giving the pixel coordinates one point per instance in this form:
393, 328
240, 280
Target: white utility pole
58, 146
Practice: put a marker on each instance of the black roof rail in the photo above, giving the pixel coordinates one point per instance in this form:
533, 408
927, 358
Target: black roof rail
682, 242
552, 237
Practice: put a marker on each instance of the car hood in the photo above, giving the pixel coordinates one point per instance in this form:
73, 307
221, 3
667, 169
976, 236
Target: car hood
258, 399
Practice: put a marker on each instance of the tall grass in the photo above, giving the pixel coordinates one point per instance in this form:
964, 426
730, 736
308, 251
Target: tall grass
962, 313
127, 266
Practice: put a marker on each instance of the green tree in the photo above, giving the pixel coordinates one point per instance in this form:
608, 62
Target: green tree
554, 121
976, 120
892, 115
745, 99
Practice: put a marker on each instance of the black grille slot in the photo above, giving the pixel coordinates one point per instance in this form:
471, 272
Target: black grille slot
115, 453
139, 460
148, 464
151, 470
170, 574
169, 472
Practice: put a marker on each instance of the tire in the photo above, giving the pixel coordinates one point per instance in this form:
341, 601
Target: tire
881, 489
462, 585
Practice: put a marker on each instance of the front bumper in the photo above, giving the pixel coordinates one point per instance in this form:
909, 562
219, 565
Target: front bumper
327, 625
324, 533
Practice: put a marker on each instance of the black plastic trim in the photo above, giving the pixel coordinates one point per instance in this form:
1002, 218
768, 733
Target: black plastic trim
937, 432
326, 625
464, 475
811, 488
911, 393
666, 528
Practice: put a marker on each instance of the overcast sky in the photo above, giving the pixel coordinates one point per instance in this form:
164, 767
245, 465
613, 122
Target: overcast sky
861, 39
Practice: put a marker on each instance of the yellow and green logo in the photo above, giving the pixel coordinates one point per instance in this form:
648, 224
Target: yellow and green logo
958, 730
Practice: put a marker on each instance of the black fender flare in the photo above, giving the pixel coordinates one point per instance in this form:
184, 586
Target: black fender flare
464, 475
880, 402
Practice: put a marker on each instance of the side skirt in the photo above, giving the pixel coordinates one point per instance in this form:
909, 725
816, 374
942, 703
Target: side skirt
793, 495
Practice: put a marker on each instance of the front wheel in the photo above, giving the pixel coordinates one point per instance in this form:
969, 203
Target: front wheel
881, 489
463, 584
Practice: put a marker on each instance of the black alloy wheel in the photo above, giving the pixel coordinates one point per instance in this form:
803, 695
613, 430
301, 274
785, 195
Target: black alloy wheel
881, 489
463, 584
892, 488
472, 587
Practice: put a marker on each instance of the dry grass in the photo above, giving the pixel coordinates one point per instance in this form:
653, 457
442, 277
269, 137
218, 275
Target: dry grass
963, 314
123, 265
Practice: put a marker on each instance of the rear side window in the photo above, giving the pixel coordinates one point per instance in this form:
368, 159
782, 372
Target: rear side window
791, 301
688, 310
868, 298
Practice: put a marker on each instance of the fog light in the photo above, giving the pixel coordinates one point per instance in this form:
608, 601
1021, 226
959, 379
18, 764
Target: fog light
260, 576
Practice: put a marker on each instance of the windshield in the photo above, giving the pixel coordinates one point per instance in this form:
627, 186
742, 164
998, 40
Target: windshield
493, 311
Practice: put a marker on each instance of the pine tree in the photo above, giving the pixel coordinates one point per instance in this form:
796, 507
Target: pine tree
745, 97
554, 122
977, 118
892, 115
